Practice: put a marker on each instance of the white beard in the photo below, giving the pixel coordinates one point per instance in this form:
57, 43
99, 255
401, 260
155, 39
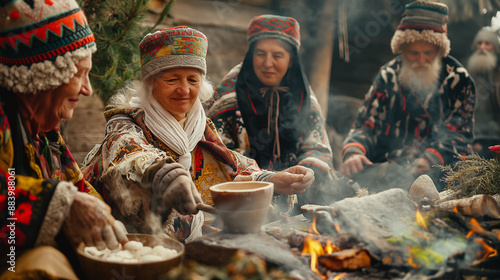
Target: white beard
481, 62
421, 78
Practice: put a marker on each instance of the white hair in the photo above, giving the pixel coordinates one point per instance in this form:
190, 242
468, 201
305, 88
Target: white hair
482, 62
144, 90
422, 78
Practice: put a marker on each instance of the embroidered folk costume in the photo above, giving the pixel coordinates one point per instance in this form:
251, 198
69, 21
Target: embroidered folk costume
141, 136
278, 126
37, 56
397, 125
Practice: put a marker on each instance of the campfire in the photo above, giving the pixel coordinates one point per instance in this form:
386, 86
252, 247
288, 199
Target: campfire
393, 234
440, 239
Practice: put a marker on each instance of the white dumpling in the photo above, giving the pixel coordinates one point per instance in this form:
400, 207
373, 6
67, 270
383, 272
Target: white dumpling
144, 251
93, 251
151, 258
125, 254
133, 246
113, 258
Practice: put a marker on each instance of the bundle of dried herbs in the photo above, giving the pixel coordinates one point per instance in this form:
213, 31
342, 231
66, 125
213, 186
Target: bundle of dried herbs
473, 174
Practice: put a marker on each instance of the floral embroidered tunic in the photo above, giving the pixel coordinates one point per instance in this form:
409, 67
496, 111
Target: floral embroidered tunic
121, 168
38, 179
394, 125
310, 149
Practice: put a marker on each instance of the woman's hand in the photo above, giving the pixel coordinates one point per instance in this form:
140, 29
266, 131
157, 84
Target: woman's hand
293, 180
354, 164
173, 184
90, 220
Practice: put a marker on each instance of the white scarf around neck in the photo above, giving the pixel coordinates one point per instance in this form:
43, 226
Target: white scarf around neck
164, 126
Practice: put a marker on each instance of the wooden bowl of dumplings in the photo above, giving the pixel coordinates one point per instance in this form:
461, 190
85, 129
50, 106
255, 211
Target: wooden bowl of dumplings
147, 257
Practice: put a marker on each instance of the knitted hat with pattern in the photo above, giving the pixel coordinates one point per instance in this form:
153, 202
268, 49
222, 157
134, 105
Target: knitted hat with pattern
423, 21
272, 26
41, 42
174, 47
489, 35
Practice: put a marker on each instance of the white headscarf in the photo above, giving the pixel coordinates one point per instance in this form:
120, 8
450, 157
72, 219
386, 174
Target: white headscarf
164, 126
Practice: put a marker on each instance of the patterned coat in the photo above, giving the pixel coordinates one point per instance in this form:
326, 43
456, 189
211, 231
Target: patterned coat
312, 150
121, 168
393, 125
38, 180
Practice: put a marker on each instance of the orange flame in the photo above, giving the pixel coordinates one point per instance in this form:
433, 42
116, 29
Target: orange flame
341, 275
411, 260
476, 228
337, 228
421, 220
455, 209
315, 230
329, 248
489, 252
314, 248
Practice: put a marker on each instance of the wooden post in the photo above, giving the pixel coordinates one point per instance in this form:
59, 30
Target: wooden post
322, 59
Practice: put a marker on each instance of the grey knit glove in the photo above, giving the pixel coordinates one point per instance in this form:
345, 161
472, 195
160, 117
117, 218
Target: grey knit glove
173, 188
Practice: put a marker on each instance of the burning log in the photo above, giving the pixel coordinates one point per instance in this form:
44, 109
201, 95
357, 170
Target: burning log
478, 205
344, 241
347, 259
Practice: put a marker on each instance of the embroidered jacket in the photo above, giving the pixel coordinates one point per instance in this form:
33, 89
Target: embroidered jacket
38, 180
312, 150
393, 124
121, 168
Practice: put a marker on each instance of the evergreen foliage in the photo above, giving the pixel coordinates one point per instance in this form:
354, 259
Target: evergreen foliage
118, 28
473, 174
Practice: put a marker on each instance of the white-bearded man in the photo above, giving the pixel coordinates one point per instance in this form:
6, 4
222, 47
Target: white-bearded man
483, 66
418, 113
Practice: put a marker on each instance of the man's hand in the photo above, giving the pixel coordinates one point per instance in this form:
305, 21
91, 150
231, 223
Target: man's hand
420, 166
293, 180
354, 164
90, 220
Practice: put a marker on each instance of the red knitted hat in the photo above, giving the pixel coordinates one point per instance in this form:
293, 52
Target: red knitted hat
179, 46
40, 43
272, 26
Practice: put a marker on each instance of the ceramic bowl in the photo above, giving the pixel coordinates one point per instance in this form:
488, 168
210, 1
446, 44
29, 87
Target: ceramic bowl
242, 206
98, 269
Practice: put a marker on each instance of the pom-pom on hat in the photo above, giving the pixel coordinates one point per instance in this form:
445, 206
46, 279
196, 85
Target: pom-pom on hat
423, 21
489, 35
272, 26
40, 43
174, 47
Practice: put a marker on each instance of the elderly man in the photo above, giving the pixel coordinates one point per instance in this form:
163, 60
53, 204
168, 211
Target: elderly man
418, 112
483, 66
45, 204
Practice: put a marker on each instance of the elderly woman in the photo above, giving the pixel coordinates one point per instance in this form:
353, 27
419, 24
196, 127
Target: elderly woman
42, 190
265, 109
160, 152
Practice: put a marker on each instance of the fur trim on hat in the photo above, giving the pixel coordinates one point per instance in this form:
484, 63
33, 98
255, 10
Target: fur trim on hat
402, 37
45, 75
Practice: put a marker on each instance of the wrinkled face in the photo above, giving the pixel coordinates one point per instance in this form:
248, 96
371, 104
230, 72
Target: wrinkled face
486, 46
270, 61
420, 53
177, 89
66, 96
